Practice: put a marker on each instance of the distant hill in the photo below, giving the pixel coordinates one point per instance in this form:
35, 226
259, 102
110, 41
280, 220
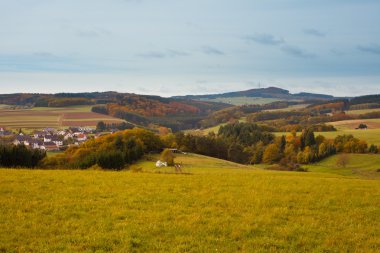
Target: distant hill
174, 113
270, 92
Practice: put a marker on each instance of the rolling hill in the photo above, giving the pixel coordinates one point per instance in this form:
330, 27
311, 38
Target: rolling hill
272, 94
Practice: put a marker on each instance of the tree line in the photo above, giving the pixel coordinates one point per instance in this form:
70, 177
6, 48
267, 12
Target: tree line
112, 151
252, 144
13, 156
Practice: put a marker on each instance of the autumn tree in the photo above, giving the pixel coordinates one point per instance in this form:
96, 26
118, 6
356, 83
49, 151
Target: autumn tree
271, 154
343, 160
167, 156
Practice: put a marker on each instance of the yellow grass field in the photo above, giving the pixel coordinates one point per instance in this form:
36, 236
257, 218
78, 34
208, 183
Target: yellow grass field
37, 118
358, 165
217, 207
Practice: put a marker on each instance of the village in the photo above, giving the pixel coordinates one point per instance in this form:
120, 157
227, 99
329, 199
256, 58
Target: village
49, 139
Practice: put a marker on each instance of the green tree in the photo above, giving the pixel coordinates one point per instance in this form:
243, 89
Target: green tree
101, 126
236, 153
307, 138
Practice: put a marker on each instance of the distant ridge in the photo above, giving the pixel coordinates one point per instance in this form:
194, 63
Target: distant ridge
270, 92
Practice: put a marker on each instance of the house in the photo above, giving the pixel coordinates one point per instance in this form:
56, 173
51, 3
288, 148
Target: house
62, 132
81, 137
49, 130
36, 144
68, 136
57, 140
22, 139
50, 146
74, 129
39, 134
48, 138
4, 132
86, 129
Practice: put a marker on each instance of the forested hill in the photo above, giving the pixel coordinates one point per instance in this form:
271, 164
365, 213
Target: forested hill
146, 103
271, 92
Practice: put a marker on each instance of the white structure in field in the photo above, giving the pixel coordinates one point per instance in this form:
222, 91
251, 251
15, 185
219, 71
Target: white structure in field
160, 164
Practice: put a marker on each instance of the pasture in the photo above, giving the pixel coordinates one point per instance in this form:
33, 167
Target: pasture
358, 165
218, 207
42, 117
363, 111
370, 135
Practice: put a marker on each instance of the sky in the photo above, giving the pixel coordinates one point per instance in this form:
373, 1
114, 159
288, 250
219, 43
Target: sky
178, 47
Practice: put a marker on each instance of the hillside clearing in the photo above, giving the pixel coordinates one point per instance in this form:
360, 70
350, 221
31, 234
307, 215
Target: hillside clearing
359, 165
352, 124
364, 111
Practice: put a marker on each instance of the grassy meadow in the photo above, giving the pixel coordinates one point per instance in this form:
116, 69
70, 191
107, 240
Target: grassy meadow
370, 135
363, 111
359, 165
216, 207
41, 117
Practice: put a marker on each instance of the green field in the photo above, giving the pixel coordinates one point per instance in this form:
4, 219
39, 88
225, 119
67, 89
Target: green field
216, 207
359, 165
370, 135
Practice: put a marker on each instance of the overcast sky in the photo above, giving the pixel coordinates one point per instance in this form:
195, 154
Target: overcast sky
175, 47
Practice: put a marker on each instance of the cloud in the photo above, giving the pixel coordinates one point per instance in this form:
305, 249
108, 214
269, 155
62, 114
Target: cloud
373, 49
265, 39
174, 53
297, 52
212, 51
163, 54
337, 52
92, 33
43, 54
314, 32
153, 54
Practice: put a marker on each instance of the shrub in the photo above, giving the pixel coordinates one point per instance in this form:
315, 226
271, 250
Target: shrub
111, 160
343, 160
167, 156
